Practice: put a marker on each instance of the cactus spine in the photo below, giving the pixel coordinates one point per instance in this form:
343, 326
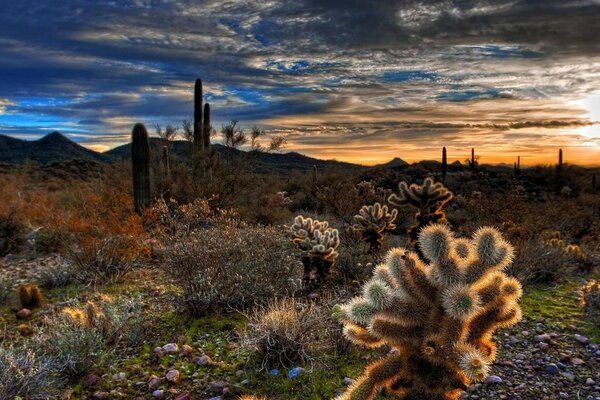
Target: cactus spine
140, 165
440, 316
444, 163
198, 139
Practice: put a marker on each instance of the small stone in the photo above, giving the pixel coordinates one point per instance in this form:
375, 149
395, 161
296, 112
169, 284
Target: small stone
170, 348
542, 338
492, 379
581, 339
173, 376
158, 393
590, 382
348, 381
153, 381
119, 377
294, 372
101, 395
186, 350
158, 352
274, 372
23, 313
543, 345
25, 330
552, 368
577, 361
202, 360
217, 386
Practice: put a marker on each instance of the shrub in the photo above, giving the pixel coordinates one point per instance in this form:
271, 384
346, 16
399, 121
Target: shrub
55, 276
25, 375
30, 296
12, 234
6, 288
232, 265
84, 337
590, 296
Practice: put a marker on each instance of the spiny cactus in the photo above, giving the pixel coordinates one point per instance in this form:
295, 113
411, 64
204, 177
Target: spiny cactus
428, 199
30, 296
372, 222
318, 243
438, 317
140, 165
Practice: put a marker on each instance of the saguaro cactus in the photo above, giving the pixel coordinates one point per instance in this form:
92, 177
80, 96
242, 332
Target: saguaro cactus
472, 162
444, 163
560, 160
372, 222
438, 316
198, 139
318, 243
428, 199
140, 165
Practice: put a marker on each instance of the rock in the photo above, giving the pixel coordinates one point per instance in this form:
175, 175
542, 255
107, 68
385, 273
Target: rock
173, 376
590, 382
274, 372
25, 330
202, 360
348, 381
101, 395
158, 352
170, 348
542, 338
119, 377
153, 381
23, 313
492, 379
183, 396
552, 369
543, 345
158, 393
294, 372
577, 361
186, 350
581, 339
217, 386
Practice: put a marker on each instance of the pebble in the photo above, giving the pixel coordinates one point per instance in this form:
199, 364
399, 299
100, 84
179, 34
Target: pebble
119, 377
348, 381
552, 368
202, 360
294, 372
581, 339
158, 393
492, 379
173, 376
186, 350
542, 338
274, 372
101, 395
217, 386
23, 313
170, 348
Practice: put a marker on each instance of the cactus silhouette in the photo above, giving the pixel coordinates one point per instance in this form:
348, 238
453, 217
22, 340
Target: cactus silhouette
318, 243
560, 160
444, 163
428, 199
140, 165
438, 316
372, 222
472, 162
206, 128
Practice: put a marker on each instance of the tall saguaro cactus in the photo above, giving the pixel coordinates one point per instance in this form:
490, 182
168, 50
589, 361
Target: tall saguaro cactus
560, 160
472, 163
206, 127
198, 140
444, 163
140, 165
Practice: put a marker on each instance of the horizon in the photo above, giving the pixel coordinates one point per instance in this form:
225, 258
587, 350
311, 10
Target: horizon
338, 80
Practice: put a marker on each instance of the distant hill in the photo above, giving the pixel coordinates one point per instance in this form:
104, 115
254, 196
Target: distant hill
53, 147
260, 162
393, 163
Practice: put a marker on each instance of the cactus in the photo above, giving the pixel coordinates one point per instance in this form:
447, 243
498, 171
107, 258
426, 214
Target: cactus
438, 317
198, 139
140, 165
590, 296
444, 163
372, 222
428, 199
318, 243
30, 296
472, 162
206, 128
560, 160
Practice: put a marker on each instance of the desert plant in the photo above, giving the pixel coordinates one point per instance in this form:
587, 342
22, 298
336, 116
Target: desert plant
590, 296
30, 296
428, 199
55, 276
140, 165
12, 234
438, 316
232, 265
6, 288
372, 222
444, 163
318, 243
24, 375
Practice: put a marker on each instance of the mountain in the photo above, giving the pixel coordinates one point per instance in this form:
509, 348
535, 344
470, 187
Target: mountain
52, 147
260, 162
394, 163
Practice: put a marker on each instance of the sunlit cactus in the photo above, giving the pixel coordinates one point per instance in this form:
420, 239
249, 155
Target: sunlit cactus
437, 316
318, 243
372, 222
140, 164
428, 199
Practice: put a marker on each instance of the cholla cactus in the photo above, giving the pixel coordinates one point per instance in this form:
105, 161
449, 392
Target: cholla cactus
438, 317
428, 199
318, 243
371, 222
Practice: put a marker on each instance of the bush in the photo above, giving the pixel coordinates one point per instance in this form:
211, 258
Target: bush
12, 234
6, 288
55, 276
590, 296
24, 375
286, 332
82, 338
232, 265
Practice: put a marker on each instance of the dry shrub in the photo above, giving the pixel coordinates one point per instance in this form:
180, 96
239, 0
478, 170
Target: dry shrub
287, 332
24, 375
232, 265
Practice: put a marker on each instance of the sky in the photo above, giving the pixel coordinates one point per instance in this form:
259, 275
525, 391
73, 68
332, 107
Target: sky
360, 81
